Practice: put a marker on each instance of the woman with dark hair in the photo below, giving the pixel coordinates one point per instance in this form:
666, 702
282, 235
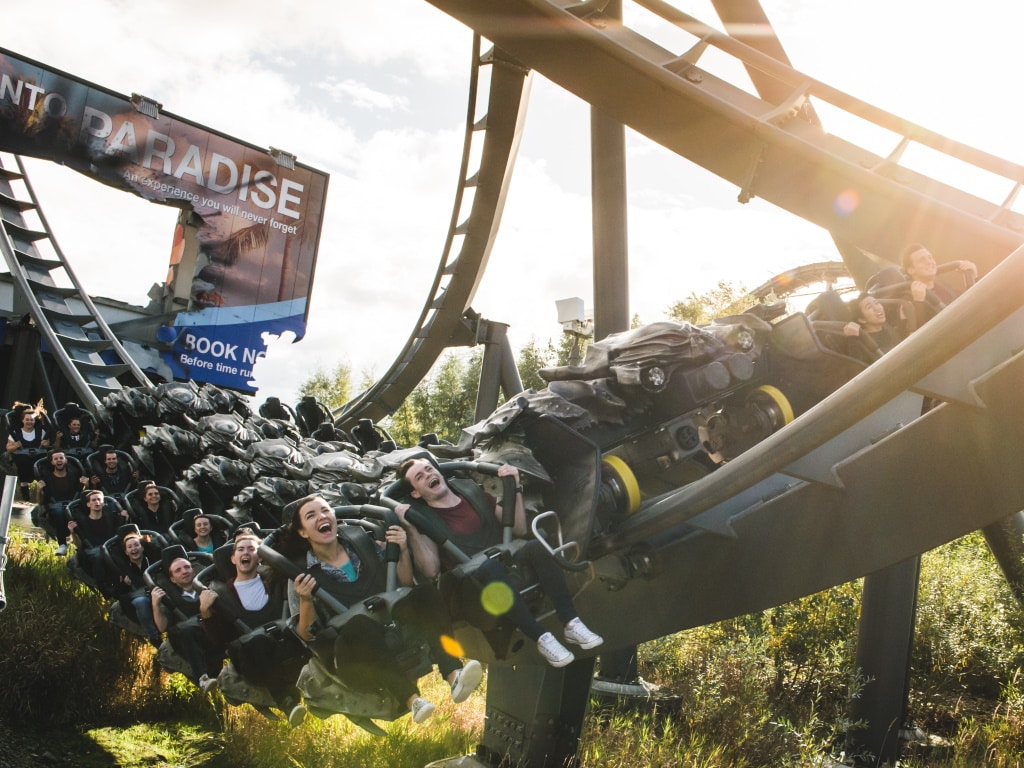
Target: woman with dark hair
154, 512
199, 527
132, 593
350, 567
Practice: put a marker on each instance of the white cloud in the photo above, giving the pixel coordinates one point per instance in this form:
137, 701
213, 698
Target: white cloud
362, 96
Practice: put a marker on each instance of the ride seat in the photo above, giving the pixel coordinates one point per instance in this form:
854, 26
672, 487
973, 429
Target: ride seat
95, 466
153, 542
137, 507
223, 528
40, 465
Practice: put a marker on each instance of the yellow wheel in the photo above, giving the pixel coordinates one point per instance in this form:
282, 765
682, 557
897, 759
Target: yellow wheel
777, 404
619, 471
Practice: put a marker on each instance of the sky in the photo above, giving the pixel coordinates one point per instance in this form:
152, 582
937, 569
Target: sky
375, 95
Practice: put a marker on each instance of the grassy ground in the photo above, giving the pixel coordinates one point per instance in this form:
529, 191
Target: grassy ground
771, 689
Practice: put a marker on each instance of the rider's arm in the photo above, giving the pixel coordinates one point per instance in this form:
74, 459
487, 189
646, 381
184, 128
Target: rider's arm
159, 615
75, 536
519, 529
302, 587
423, 550
396, 534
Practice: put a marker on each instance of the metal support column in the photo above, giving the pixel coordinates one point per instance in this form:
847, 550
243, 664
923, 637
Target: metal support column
611, 269
535, 714
497, 370
608, 195
23, 363
884, 642
1006, 541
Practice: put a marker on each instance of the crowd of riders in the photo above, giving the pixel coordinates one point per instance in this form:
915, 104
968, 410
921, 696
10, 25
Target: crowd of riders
198, 587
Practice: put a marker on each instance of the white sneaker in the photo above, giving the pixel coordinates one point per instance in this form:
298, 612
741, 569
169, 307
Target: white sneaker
466, 680
62, 550
577, 632
296, 716
207, 683
421, 710
556, 654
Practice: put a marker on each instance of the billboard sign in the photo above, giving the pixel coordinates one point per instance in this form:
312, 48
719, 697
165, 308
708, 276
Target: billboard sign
244, 250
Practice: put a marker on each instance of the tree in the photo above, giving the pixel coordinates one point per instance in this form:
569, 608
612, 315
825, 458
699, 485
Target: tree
332, 388
443, 403
700, 309
404, 424
531, 359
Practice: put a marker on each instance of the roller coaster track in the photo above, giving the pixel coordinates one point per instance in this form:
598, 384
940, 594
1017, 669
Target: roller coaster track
46, 289
770, 147
443, 322
863, 480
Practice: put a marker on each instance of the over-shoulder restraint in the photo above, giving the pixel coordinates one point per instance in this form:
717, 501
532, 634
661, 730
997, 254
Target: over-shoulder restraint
372, 579
227, 598
489, 532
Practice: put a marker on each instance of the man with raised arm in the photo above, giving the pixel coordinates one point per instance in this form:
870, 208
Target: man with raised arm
472, 519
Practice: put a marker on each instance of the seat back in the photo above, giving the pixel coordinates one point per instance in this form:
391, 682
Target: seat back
44, 422
95, 460
63, 416
41, 467
141, 514
223, 528
157, 576
153, 542
273, 408
310, 413
220, 569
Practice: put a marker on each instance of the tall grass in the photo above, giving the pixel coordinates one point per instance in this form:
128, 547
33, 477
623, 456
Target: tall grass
769, 689
337, 743
62, 662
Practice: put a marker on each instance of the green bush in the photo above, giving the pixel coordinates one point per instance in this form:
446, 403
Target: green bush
62, 662
764, 689
970, 628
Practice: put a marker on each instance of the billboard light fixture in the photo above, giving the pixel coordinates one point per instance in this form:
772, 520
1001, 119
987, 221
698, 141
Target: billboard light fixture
284, 159
146, 105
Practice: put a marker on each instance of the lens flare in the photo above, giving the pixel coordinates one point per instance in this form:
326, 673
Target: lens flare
846, 202
451, 646
496, 598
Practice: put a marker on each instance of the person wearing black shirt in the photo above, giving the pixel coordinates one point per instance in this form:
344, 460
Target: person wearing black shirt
131, 587
89, 534
920, 266
76, 438
117, 477
868, 322
187, 637
56, 488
